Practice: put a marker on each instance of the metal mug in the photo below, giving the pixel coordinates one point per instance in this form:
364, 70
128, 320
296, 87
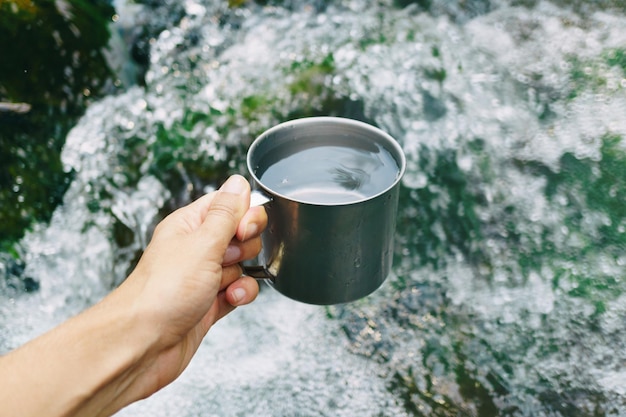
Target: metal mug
318, 251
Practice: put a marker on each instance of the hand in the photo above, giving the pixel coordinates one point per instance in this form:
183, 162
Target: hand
189, 276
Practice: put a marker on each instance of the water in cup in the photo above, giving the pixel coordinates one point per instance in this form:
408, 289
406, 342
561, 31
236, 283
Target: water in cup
328, 173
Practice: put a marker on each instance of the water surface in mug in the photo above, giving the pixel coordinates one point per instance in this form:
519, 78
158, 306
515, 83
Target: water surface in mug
328, 173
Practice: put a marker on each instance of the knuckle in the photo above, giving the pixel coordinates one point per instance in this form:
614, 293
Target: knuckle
224, 210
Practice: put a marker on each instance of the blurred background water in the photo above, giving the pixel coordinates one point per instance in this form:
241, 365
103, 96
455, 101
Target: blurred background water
508, 293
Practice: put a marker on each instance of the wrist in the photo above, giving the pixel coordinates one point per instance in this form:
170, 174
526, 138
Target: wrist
121, 349
84, 367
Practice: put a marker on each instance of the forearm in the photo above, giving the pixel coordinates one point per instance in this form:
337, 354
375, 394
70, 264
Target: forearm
82, 368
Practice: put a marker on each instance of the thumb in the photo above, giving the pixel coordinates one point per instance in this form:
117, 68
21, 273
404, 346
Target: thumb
225, 212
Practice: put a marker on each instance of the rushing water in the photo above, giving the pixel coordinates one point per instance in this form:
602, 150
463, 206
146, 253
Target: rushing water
508, 293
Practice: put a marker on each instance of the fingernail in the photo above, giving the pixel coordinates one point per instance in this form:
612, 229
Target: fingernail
235, 185
238, 294
232, 254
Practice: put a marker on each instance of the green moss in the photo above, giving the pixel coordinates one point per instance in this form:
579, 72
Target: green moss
591, 75
441, 217
312, 93
602, 186
437, 74
593, 215
422, 4
616, 57
176, 160
255, 105
310, 77
582, 7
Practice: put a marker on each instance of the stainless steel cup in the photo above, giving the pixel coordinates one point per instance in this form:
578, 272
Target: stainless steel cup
318, 252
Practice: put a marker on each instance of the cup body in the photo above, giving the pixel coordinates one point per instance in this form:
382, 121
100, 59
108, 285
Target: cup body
319, 252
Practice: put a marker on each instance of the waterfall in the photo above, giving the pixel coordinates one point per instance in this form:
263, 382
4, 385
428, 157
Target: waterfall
507, 295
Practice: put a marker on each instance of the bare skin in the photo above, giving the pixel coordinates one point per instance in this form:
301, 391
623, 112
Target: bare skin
142, 336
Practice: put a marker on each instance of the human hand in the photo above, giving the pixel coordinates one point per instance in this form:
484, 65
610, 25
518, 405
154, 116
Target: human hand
189, 277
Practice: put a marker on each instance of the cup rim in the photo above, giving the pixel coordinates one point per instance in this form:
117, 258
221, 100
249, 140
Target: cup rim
390, 141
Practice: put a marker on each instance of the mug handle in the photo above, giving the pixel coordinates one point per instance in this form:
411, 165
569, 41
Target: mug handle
258, 198
257, 272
